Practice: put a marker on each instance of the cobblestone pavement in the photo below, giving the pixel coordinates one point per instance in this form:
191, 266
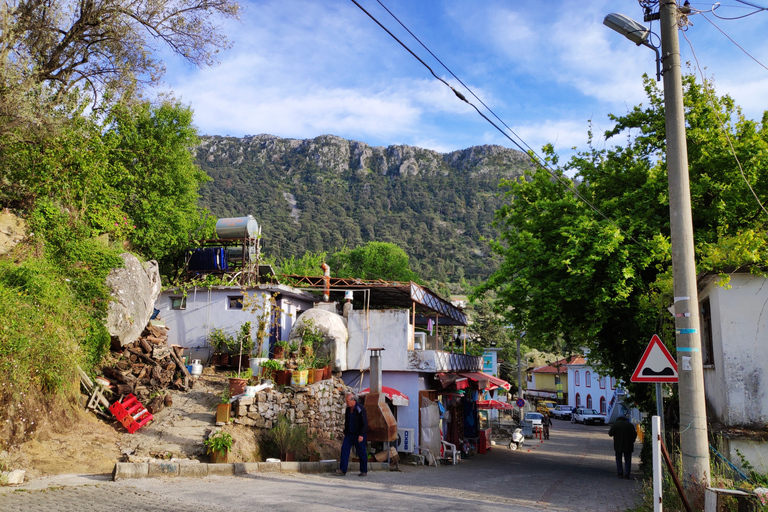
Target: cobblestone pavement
573, 471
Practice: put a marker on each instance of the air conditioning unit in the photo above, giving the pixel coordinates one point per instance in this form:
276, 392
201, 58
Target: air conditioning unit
419, 340
405, 440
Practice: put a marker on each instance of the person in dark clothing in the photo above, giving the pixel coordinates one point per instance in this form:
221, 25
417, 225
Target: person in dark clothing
355, 430
624, 435
546, 424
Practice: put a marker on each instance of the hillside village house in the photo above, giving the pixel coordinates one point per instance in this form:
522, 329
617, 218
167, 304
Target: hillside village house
734, 336
587, 388
544, 382
191, 316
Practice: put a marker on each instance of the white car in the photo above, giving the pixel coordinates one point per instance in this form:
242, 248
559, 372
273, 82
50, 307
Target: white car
562, 412
587, 416
534, 418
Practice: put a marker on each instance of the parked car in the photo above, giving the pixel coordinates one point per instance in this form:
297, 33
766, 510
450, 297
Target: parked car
587, 416
534, 418
563, 412
546, 407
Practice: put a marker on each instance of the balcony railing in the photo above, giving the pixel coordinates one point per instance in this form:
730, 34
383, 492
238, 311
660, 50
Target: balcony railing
439, 361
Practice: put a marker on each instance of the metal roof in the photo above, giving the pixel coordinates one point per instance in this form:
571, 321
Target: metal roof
386, 295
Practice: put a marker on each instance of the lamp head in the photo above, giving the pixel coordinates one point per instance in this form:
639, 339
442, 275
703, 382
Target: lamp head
628, 27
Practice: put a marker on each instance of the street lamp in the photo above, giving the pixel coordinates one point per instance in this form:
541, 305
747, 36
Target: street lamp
633, 31
693, 419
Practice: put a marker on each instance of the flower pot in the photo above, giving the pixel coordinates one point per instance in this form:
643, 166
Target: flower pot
305, 350
223, 359
222, 413
279, 352
327, 372
318, 374
282, 377
219, 457
290, 456
299, 378
237, 386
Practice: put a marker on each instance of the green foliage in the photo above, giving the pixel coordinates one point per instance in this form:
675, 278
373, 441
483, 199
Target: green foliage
373, 260
310, 264
311, 335
220, 340
571, 275
219, 441
288, 437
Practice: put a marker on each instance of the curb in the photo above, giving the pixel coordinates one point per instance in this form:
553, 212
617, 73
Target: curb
127, 470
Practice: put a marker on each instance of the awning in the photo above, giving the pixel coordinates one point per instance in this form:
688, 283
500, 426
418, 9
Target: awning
492, 382
397, 397
493, 404
448, 379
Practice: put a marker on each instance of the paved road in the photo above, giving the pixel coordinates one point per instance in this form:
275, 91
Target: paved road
573, 471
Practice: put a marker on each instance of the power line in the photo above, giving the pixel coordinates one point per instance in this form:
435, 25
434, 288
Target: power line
716, 110
730, 38
530, 152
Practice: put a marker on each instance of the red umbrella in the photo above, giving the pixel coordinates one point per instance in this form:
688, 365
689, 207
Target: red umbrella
397, 397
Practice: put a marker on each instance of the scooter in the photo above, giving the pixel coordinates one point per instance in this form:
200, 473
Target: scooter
517, 439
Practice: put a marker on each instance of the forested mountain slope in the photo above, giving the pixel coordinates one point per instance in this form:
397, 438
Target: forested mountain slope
326, 193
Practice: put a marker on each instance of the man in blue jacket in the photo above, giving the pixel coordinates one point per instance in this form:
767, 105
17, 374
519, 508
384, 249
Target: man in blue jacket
355, 430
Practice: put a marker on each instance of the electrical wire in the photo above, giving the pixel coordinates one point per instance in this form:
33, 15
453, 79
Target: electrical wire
527, 150
731, 39
717, 5
716, 110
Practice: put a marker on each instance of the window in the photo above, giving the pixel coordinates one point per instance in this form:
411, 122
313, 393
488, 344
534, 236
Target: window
588, 379
178, 303
576, 378
578, 400
613, 382
589, 401
602, 405
602, 382
235, 302
707, 356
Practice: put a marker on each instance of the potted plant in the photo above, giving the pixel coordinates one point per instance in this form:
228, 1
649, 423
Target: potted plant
318, 368
269, 367
218, 446
299, 376
245, 344
219, 340
294, 349
223, 409
287, 437
311, 337
238, 381
281, 349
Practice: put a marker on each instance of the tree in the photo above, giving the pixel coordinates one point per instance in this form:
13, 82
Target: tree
105, 44
374, 260
604, 283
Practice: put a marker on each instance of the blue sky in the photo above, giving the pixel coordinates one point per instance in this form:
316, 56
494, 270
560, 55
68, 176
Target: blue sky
299, 69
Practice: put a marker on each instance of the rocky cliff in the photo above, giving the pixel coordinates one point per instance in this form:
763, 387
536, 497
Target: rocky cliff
325, 193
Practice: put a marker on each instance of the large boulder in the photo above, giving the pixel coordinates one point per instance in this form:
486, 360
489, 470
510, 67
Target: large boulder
335, 332
135, 288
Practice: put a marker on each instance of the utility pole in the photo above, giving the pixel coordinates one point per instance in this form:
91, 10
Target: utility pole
693, 419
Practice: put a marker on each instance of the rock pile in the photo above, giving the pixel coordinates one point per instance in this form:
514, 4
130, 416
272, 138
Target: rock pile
319, 407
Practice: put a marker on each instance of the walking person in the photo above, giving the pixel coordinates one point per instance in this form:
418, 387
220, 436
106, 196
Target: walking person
546, 423
624, 435
355, 430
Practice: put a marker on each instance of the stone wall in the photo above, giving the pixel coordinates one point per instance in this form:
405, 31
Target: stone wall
319, 407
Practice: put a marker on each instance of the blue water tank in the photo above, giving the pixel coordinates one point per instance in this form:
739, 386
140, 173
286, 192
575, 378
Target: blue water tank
237, 227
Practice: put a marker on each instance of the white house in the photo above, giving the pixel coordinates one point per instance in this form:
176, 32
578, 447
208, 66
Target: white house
734, 339
191, 316
587, 388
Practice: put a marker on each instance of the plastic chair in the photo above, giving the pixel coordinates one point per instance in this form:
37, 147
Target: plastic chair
451, 452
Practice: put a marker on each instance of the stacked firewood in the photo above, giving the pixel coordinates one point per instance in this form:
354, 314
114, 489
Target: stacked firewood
146, 367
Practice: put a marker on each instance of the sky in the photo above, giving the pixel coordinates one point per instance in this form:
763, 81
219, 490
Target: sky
300, 69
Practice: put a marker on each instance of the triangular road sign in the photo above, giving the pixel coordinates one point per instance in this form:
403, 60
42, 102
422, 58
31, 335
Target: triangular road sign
656, 365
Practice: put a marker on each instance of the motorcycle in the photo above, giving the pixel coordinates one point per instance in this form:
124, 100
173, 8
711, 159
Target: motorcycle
517, 439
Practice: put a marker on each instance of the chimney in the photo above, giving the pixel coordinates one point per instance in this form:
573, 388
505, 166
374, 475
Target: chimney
382, 425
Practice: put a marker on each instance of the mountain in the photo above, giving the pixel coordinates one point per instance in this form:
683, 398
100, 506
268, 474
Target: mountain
326, 193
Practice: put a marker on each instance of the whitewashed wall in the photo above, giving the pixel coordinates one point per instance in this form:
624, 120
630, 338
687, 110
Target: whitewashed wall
387, 329
737, 384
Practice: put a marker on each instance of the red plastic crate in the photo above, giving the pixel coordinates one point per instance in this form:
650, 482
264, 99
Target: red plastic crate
131, 413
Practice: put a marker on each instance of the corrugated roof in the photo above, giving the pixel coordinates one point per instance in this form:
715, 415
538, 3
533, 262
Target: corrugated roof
560, 366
